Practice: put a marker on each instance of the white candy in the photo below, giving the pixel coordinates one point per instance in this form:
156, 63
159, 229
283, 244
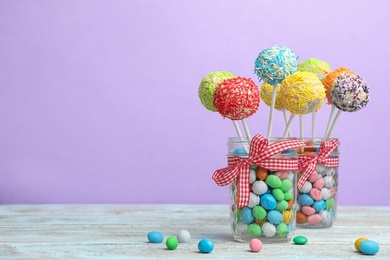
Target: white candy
320, 167
254, 200
306, 187
242, 229
259, 187
329, 172
269, 230
290, 176
328, 181
252, 176
326, 194
183, 236
326, 219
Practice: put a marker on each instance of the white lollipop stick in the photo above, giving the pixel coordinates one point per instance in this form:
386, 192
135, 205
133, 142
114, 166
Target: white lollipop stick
271, 113
286, 121
333, 124
301, 126
313, 125
246, 129
238, 130
329, 121
288, 126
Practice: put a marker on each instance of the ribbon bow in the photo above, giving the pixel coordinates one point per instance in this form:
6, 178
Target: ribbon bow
308, 163
260, 153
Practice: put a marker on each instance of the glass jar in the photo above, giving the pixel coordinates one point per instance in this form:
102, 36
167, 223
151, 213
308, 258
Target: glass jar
270, 214
317, 197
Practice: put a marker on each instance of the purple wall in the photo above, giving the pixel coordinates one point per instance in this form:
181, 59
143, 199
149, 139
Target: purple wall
98, 99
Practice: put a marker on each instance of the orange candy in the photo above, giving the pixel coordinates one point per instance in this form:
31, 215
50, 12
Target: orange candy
261, 173
301, 218
331, 77
290, 203
260, 222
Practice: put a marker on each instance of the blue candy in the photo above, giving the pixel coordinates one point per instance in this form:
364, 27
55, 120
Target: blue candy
155, 237
206, 245
319, 205
369, 247
239, 151
305, 200
268, 201
275, 217
247, 215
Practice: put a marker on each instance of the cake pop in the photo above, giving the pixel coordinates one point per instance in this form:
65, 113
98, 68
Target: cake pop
349, 93
208, 85
266, 95
328, 82
274, 64
302, 93
237, 98
319, 67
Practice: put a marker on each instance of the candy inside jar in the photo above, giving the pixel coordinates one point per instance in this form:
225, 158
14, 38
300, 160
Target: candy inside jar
317, 187
270, 212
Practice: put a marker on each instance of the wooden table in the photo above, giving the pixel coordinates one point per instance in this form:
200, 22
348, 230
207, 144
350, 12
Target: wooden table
119, 232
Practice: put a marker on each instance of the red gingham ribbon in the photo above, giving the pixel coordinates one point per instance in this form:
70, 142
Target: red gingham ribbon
259, 154
308, 163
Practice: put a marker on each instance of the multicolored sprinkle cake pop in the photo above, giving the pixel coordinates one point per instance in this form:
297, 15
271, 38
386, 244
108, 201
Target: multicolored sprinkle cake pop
209, 84
349, 93
274, 64
302, 93
319, 67
330, 79
237, 98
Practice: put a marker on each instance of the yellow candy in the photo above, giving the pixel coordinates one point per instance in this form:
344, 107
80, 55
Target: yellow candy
302, 93
266, 95
357, 243
287, 217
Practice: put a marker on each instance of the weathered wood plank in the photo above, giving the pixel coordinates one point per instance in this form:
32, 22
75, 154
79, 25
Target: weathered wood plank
119, 232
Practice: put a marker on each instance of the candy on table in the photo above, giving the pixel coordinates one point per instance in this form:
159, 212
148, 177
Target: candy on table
302, 93
184, 236
255, 245
357, 243
155, 237
300, 240
172, 243
368, 247
349, 93
206, 245
273, 65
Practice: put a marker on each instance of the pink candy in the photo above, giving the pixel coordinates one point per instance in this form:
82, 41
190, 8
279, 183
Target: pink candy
313, 177
314, 219
308, 210
319, 184
315, 194
282, 174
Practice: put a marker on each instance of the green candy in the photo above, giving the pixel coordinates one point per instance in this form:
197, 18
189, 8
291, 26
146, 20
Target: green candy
172, 243
209, 84
254, 230
300, 240
254, 166
278, 194
288, 196
281, 230
316, 66
286, 185
329, 204
259, 212
273, 181
281, 206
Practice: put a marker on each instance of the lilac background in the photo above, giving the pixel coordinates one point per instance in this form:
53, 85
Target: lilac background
98, 99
